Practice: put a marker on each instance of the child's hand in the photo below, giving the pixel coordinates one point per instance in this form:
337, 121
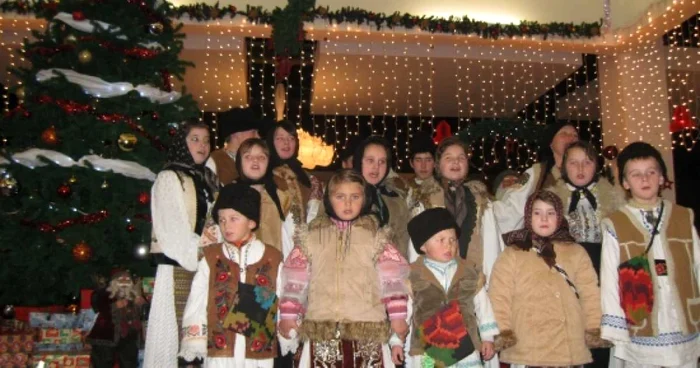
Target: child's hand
209, 236
397, 354
400, 327
286, 326
487, 350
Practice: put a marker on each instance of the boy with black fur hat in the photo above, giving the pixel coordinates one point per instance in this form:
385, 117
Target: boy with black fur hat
235, 126
452, 320
649, 270
422, 162
229, 320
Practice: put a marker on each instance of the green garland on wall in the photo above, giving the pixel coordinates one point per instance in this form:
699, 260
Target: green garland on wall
523, 131
287, 22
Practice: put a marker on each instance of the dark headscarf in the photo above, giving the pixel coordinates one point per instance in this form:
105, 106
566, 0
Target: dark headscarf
180, 160
526, 238
376, 191
292, 162
267, 180
546, 154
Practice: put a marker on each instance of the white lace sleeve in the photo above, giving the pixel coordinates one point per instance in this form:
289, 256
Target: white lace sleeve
488, 328
288, 228
170, 221
194, 319
613, 325
510, 209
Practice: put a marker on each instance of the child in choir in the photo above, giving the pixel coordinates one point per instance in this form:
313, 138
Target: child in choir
344, 283
229, 319
453, 323
276, 223
544, 291
649, 270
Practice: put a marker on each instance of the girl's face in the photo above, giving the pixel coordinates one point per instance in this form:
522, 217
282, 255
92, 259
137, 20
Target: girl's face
544, 218
579, 167
285, 144
254, 163
643, 178
198, 144
374, 164
347, 200
234, 226
441, 247
454, 163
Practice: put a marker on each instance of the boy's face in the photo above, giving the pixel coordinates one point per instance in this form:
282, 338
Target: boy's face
442, 246
347, 200
423, 165
544, 218
643, 179
234, 226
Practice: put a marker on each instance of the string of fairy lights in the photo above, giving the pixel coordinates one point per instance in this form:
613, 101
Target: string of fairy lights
401, 86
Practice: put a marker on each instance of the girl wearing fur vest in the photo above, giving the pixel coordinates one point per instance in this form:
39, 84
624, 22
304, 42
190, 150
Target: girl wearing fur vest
344, 284
544, 291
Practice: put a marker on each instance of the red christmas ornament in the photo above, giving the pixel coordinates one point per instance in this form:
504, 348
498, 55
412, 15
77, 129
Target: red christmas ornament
78, 15
610, 152
442, 131
155, 116
64, 191
144, 198
681, 119
172, 132
165, 75
49, 136
82, 252
130, 228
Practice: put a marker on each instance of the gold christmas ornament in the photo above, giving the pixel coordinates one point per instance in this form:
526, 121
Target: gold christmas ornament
8, 186
85, 56
70, 39
127, 142
72, 180
155, 28
105, 184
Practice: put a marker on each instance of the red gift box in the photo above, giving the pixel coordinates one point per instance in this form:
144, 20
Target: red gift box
65, 359
22, 313
14, 360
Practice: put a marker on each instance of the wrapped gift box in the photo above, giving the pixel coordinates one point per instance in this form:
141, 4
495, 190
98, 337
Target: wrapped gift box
22, 313
86, 298
63, 359
15, 346
82, 321
59, 336
148, 283
14, 360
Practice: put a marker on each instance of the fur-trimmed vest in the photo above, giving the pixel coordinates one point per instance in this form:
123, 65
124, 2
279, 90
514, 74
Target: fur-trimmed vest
258, 309
676, 231
344, 287
299, 195
270, 229
225, 166
429, 298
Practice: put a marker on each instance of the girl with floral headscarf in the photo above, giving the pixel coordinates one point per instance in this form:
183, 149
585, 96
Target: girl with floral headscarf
544, 291
181, 196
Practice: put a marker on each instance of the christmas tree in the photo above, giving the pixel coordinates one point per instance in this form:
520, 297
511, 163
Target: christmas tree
82, 149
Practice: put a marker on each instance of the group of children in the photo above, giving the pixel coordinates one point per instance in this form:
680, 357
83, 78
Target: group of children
429, 280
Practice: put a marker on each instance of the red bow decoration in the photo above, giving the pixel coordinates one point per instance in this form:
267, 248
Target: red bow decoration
442, 131
681, 119
283, 68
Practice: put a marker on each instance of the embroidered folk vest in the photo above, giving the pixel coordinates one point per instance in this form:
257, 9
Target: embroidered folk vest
633, 239
298, 193
224, 297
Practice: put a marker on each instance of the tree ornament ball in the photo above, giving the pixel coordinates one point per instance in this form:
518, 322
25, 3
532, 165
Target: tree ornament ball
172, 132
82, 252
105, 184
49, 136
85, 56
72, 180
155, 116
127, 142
70, 39
610, 152
78, 15
155, 28
130, 228
8, 186
64, 191
8, 311
144, 198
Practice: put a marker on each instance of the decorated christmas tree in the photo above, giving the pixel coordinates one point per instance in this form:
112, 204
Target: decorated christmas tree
82, 149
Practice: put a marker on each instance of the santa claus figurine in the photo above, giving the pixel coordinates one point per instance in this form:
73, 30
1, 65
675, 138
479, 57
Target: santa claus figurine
117, 331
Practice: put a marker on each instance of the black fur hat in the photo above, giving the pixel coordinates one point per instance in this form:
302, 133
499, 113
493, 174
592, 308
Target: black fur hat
639, 150
428, 223
240, 197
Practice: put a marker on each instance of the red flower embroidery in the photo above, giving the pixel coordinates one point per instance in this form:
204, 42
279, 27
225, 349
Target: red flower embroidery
257, 345
262, 280
446, 328
222, 277
222, 311
636, 294
220, 341
661, 269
